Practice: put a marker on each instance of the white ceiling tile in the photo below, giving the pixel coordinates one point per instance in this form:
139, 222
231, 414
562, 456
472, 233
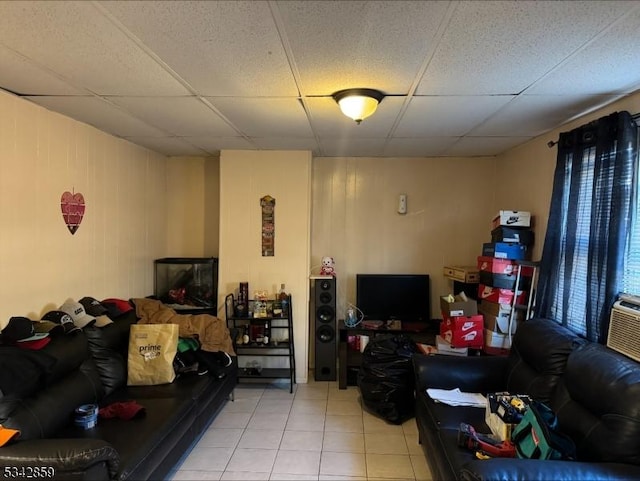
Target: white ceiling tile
332, 147
255, 60
261, 117
483, 146
379, 45
214, 145
497, 47
180, 116
289, 143
232, 47
609, 65
24, 77
448, 116
170, 146
328, 120
100, 114
418, 147
531, 115
82, 45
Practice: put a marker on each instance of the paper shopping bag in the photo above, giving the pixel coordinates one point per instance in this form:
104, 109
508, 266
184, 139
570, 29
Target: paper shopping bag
152, 348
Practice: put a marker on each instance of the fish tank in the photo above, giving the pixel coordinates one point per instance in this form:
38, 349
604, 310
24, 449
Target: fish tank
187, 283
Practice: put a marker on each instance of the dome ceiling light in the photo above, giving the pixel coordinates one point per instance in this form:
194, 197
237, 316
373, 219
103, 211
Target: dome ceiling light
358, 104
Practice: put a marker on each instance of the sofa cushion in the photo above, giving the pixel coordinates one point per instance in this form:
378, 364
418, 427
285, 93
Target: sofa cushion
538, 357
69, 351
108, 346
443, 416
23, 371
42, 415
598, 404
143, 442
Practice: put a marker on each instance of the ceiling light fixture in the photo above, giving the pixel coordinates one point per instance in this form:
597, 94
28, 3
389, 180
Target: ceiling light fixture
358, 103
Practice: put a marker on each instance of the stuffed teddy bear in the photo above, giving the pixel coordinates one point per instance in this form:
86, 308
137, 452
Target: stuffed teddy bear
327, 268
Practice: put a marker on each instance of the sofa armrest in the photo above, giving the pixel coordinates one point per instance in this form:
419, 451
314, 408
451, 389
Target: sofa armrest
481, 374
60, 455
499, 469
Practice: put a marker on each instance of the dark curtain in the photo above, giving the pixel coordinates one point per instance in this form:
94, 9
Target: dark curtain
589, 224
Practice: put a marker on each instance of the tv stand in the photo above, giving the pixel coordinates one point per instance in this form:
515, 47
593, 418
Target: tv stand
349, 360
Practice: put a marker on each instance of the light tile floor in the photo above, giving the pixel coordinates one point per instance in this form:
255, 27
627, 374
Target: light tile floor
317, 433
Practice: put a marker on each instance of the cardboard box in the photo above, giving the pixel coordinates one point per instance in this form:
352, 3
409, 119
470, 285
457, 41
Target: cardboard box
458, 308
462, 331
496, 340
496, 317
502, 266
512, 218
466, 274
504, 250
445, 348
518, 235
500, 296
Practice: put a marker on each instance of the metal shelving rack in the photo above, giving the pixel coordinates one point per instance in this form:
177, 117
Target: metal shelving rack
275, 348
531, 296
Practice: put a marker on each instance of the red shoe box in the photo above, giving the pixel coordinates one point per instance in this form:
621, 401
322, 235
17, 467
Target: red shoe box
462, 331
502, 266
500, 296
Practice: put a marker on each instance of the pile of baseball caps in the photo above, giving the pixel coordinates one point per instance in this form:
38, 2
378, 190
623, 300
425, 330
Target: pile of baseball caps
511, 241
69, 318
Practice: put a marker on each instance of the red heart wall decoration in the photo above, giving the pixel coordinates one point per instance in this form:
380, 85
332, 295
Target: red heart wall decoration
72, 206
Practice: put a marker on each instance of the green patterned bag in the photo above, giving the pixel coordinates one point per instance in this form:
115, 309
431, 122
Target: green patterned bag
537, 435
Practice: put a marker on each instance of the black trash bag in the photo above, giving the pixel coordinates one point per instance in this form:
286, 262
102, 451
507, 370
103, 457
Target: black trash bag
386, 379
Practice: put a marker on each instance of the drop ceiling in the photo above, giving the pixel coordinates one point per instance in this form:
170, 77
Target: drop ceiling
462, 78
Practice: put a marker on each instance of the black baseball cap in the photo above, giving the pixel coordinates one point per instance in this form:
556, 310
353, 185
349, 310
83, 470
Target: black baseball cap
62, 318
93, 307
20, 329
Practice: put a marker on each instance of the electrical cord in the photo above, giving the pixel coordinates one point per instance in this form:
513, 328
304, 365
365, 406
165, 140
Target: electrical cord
354, 316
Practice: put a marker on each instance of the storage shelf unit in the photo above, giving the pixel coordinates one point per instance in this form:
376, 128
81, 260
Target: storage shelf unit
280, 344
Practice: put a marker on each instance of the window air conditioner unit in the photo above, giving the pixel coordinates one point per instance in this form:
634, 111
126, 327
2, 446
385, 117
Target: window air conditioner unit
624, 326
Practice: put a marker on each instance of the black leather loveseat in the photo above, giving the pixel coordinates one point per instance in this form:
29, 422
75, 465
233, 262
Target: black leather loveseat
90, 367
594, 390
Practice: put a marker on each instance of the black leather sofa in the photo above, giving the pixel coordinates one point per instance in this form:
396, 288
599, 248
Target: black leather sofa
594, 391
90, 367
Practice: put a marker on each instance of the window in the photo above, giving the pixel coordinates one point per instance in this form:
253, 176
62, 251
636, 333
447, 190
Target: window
591, 251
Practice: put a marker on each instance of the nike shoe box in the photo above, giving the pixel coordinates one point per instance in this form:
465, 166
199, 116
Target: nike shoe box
463, 331
513, 235
504, 250
497, 316
512, 218
500, 296
458, 307
444, 347
495, 340
502, 266
502, 273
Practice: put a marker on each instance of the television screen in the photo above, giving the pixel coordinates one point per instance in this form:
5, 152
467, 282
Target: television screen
382, 297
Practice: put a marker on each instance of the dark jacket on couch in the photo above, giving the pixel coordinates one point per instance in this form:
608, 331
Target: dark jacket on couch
90, 367
594, 391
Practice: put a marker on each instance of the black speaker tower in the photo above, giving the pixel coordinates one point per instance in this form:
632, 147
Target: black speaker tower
323, 312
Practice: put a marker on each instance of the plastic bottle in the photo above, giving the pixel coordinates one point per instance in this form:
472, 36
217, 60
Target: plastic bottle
265, 339
284, 301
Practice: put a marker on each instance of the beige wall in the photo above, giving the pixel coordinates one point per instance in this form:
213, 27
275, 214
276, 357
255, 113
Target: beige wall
42, 155
245, 177
355, 219
211, 206
186, 206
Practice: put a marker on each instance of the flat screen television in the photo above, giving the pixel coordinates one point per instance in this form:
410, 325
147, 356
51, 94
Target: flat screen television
383, 297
